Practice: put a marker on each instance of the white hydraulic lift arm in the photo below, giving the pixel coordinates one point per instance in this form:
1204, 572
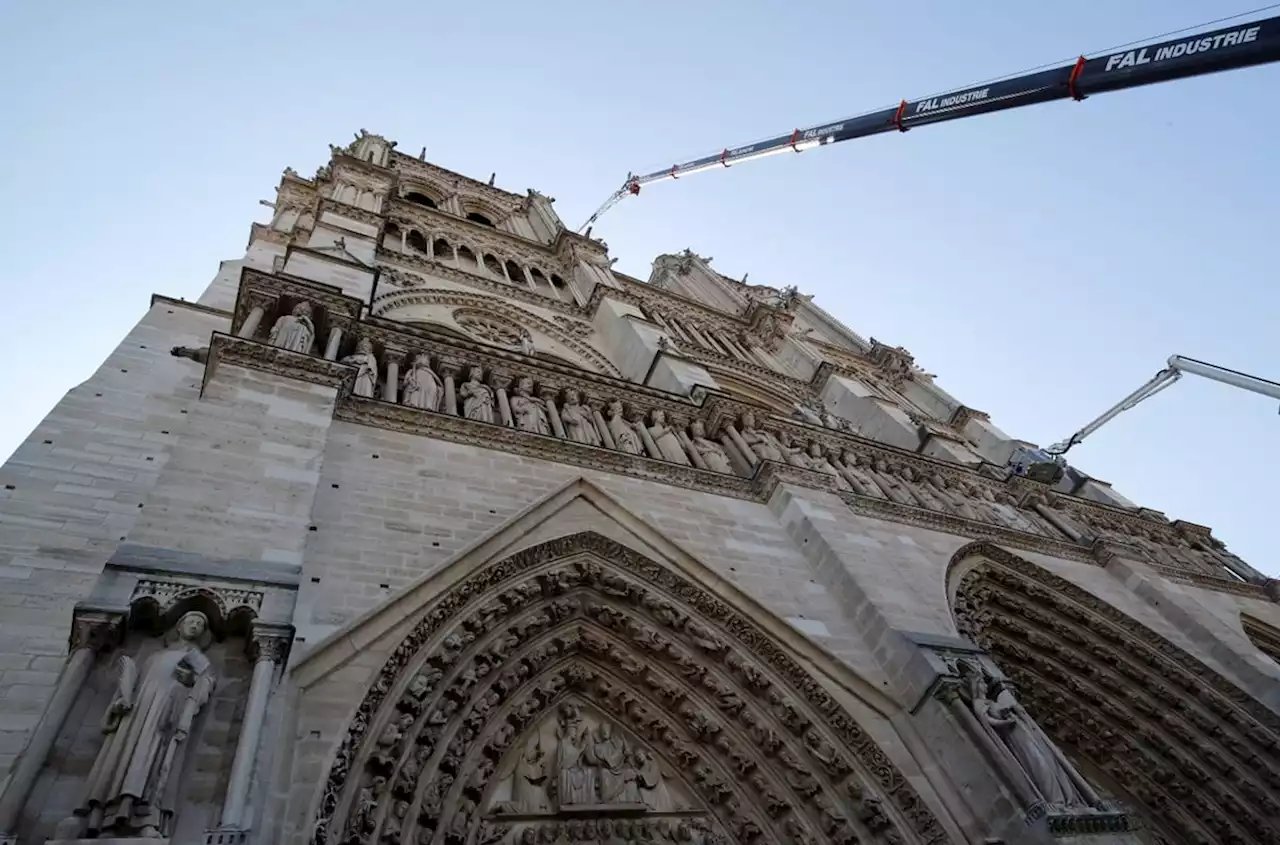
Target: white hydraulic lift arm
1178, 365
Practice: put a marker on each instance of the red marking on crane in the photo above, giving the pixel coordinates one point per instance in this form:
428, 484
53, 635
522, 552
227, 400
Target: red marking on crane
724, 155
674, 168
795, 136
897, 116
1075, 75
634, 188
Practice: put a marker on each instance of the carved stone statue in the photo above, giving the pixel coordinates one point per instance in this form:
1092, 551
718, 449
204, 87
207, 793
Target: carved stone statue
664, 436
795, 453
526, 342
712, 453
818, 461
529, 412
366, 364
421, 387
294, 331
761, 442
624, 433
608, 754
578, 425
529, 789
575, 783
132, 789
855, 471
477, 398
999, 713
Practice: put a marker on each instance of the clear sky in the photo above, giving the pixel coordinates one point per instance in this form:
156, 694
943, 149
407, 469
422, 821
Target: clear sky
1044, 261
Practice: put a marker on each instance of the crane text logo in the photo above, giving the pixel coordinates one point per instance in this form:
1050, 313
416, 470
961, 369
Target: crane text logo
1133, 58
952, 100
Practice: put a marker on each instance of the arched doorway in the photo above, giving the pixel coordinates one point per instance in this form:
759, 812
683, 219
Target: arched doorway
579, 691
1182, 747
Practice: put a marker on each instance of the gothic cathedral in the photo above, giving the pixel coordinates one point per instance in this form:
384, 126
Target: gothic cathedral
425, 526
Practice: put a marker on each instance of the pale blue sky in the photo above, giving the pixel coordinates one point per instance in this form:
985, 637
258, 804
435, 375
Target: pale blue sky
1044, 262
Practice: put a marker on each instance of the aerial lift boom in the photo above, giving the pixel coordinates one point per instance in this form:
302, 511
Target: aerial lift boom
1246, 44
1178, 365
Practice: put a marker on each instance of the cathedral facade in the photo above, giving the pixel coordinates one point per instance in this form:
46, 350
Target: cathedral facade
425, 526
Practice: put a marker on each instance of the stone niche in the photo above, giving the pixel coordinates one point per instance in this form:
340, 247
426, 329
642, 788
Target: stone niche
200, 779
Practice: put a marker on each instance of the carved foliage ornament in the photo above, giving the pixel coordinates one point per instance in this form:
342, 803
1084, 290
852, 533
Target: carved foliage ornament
488, 721
1197, 755
486, 327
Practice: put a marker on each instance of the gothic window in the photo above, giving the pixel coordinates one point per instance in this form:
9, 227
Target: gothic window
441, 250
421, 199
493, 266
467, 259
557, 282
417, 242
515, 273
477, 217
540, 282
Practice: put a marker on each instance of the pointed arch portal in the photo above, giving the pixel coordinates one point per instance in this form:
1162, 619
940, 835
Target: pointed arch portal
1193, 754
579, 691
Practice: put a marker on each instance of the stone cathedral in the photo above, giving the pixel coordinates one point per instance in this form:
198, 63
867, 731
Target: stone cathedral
425, 526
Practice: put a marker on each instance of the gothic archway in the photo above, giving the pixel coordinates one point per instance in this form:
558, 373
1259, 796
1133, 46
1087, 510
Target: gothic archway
715, 732
1188, 750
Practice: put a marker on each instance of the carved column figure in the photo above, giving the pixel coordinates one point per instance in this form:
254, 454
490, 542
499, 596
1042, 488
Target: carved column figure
578, 424
269, 645
366, 364
624, 433
133, 788
712, 453
92, 633
477, 397
818, 461
761, 443
421, 387
528, 411
294, 331
666, 441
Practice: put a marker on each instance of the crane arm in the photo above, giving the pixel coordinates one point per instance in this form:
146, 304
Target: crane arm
1177, 366
1243, 45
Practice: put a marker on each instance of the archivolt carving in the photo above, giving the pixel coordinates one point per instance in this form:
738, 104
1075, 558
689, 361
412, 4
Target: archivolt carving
397, 299
1198, 756
572, 635
1263, 636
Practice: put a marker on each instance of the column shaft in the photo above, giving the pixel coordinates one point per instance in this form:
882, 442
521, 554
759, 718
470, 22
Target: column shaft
255, 713
250, 325
335, 341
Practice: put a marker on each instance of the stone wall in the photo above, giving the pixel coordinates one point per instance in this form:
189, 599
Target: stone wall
72, 493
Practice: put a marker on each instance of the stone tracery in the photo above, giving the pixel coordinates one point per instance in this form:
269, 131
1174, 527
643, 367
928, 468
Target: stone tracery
1195, 753
715, 716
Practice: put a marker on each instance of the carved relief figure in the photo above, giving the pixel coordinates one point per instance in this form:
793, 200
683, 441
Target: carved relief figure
624, 434
575, 782
761, 442
819, 462
609, 754
858, 478
1014, 728
795, 453
712, 453
648, 780
477, 398
529, 791
576, 417
526, 342
132, 789
366, 364
294, 331
529, 411
421, 387
664, 436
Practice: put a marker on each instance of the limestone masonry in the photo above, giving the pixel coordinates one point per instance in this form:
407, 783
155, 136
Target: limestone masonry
424, 526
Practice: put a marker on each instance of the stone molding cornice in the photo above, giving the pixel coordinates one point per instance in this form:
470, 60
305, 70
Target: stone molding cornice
954, 499
459, 230
342, 209
94, 628
409, 167
1264, 637
161, 299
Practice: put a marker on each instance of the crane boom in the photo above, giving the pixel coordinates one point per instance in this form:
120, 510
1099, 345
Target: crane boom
1244, 45
1177, 366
